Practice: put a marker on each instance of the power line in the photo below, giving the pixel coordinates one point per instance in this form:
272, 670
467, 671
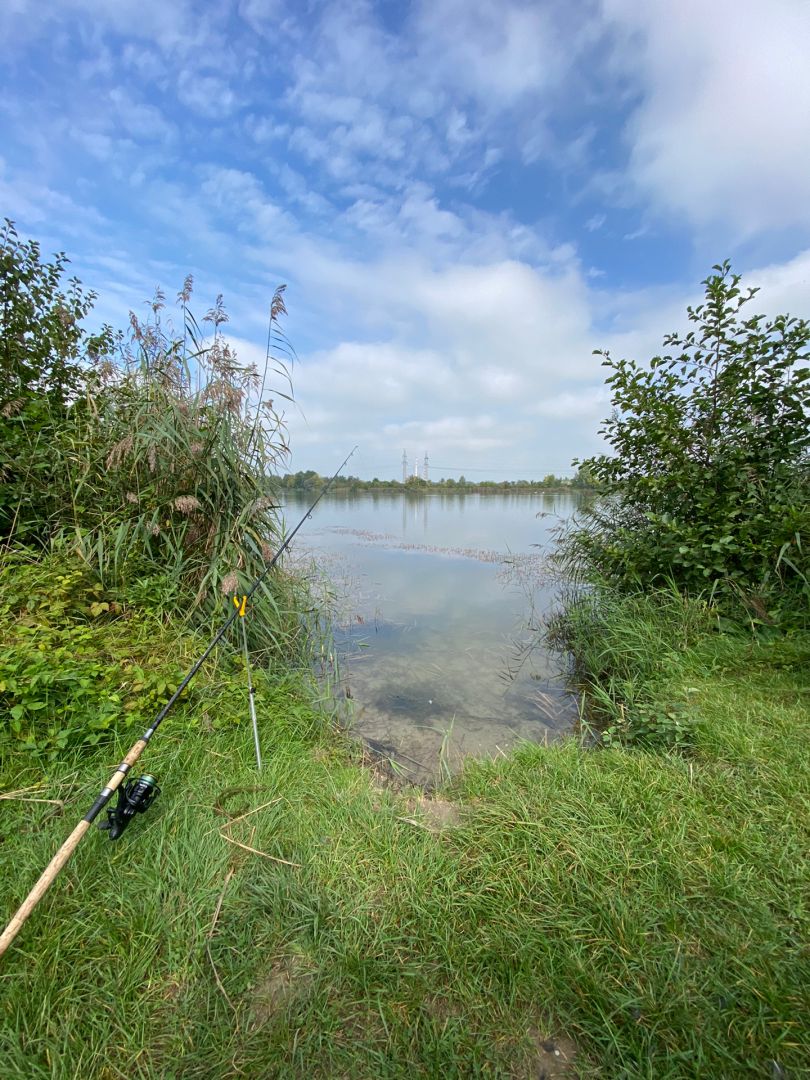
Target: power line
503, 469
524, 472
544, 470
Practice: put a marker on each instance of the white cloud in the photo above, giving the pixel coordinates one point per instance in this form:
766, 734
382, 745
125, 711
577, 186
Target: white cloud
509, 312
376, 377
590, 402
263, 16
238, 200
502, 337
442, 96
509, 374
468, 434
208, 95
265, 129
495, 51
138, 120
173, 26
31, 203
295, 186
500, 383
721, 133
413, 218
424, 314
100, 146
784, 287
457, 131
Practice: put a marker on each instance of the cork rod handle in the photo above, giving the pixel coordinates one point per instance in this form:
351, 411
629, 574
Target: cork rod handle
66, 850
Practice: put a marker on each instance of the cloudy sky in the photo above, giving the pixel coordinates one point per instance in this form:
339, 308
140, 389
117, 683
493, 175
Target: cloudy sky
464, 197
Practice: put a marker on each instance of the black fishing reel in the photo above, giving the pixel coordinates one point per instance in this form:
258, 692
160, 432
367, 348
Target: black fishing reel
134, 798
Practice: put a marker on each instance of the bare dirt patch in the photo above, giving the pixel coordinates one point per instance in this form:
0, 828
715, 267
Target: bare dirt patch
436, 814
288, 979
552, 1059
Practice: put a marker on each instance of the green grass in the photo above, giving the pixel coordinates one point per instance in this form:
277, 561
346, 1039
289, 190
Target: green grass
651, 907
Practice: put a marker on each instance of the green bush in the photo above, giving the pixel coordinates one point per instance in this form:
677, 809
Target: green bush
44, 358
155, 454
708, 482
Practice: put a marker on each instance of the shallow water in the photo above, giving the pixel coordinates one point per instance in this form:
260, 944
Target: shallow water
435, 596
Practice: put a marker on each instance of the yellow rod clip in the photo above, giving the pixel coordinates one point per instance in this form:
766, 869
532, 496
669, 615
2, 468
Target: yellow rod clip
240, 605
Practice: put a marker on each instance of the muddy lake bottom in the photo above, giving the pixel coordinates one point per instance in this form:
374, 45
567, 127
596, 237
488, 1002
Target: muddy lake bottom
435, 655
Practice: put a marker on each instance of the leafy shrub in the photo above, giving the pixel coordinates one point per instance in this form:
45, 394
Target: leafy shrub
708, 484
154, 453
44, 355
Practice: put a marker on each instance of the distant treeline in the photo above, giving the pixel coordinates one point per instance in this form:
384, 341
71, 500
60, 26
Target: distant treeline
309, 480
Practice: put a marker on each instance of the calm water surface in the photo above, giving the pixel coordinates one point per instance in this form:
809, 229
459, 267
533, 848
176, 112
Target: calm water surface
435, 595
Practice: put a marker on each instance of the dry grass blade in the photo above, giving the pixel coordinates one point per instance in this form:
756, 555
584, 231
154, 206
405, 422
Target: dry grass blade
21, 791
208, 937
247, 814
255, 851
26, 798
413, 821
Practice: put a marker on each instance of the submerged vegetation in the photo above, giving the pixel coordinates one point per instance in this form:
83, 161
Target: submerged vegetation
636, 911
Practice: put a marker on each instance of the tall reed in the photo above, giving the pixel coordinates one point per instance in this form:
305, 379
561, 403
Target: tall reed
171, 455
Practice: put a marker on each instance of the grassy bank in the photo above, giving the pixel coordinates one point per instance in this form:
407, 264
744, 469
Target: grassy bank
644, 907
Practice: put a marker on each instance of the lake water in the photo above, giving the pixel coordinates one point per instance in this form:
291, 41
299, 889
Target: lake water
434, 599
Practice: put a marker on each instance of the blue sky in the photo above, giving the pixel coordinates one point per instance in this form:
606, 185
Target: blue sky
464, 197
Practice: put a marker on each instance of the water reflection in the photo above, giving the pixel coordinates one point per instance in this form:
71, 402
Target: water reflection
436, 595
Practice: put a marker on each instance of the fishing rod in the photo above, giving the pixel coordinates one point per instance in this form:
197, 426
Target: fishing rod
137, 795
